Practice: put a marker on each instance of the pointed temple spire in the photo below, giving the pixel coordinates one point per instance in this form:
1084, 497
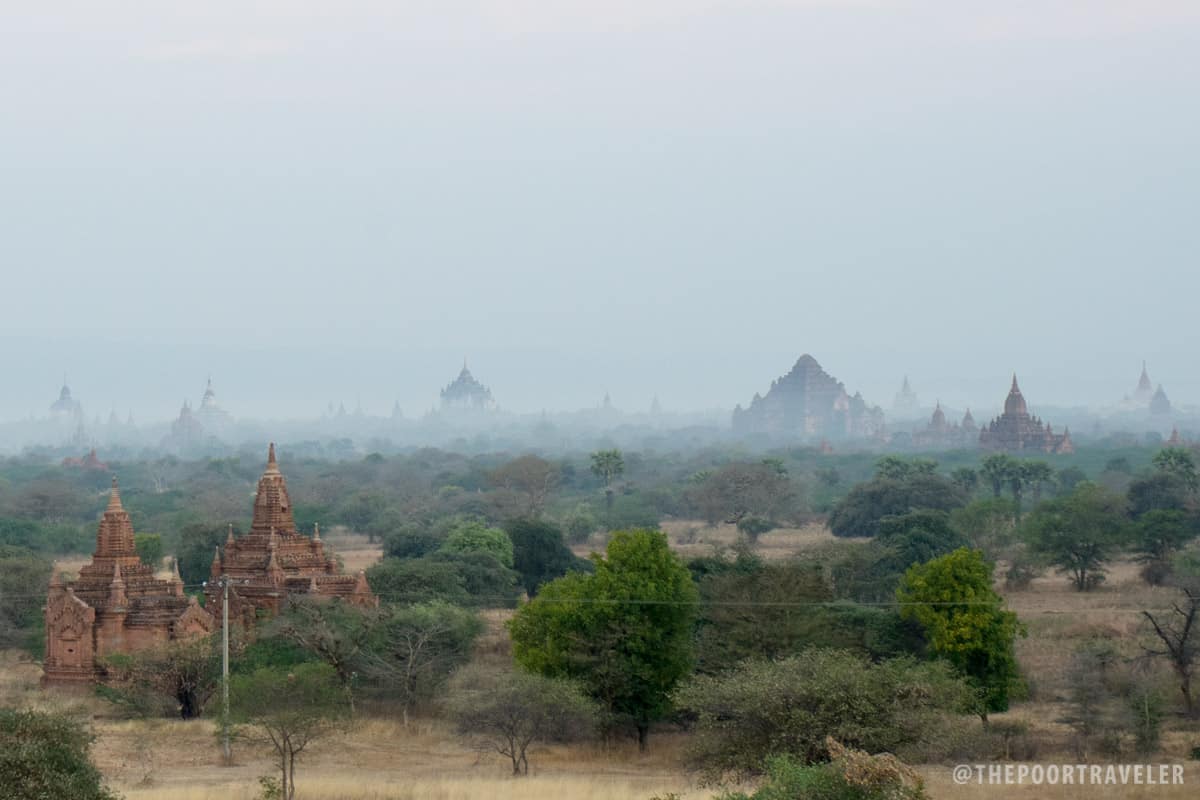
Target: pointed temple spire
316, 537
229, 537
272, 464
114, 497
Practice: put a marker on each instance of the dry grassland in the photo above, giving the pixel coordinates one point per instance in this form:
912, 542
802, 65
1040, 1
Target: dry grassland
379, 758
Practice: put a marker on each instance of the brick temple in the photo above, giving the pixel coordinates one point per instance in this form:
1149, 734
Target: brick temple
116, 605
1017, 431
274, 561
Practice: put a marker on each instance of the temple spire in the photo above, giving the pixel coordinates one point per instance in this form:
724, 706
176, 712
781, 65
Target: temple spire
116, 589
114, 497
272, 464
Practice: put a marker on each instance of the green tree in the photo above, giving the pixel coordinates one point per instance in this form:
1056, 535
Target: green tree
965, 622
23, 579
410, 541
177, 677
739, 490
607, 465
1078, 533
966, 479
44, 756
1038, 475
528, 480
418, 580
288, 710
1178, 461
333, 631
539, 553
624, 631
197, 543
149, 548
899, 469
1157, 537
996, 470
509, 711
412, 650
473, 536
860, 511
850, 775
793, 705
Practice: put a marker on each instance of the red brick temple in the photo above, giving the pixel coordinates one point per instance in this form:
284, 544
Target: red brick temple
116, 605
274, 561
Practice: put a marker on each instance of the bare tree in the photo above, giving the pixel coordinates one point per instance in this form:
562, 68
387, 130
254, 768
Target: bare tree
531, 479
1180, 642
508, 711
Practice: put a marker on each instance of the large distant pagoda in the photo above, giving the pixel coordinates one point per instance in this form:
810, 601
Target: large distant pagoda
273, 561
808, 402
465, 393
1016, 430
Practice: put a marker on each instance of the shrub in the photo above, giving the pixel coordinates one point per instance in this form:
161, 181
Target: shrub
45, 756
790, 706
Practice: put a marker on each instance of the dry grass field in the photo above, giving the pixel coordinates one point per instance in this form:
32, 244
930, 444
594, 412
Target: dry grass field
379, 758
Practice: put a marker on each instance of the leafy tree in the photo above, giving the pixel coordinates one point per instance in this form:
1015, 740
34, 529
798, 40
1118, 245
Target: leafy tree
965, 622
793, 705
530, 479
197, 543
418, 580
624, 631
1161, 491
919, 536
607, 465
149, 548
23, 579
413, 649
860, 512
1078, 533
1157, 537
473, 536
996, 470
507, 712
488, 583
900, 469
966, 479
410, 541
1037, 475
988, 524
1178, 461
176, 677
539, 553
44, 756
1070, 477
333, 631
753, 526
756, 609
739, 490
289, 710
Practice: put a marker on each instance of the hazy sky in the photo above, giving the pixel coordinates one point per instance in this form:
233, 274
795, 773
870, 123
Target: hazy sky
319, 200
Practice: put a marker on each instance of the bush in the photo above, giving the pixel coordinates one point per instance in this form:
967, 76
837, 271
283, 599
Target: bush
45, 756
470, 537
790, 707
852, 775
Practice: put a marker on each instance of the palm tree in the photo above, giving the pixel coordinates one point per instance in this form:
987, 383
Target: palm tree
606, 465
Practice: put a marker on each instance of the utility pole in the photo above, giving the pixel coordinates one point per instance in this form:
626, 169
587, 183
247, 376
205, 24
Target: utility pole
226, 747
225, 671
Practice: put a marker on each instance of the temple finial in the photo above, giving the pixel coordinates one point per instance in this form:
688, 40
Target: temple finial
114, 497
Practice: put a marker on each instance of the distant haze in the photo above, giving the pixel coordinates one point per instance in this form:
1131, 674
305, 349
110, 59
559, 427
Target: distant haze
339, 201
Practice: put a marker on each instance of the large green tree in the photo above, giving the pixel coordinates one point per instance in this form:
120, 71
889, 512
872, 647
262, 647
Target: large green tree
607, 465
624, 631
540, 554
1078, 533
965, 622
